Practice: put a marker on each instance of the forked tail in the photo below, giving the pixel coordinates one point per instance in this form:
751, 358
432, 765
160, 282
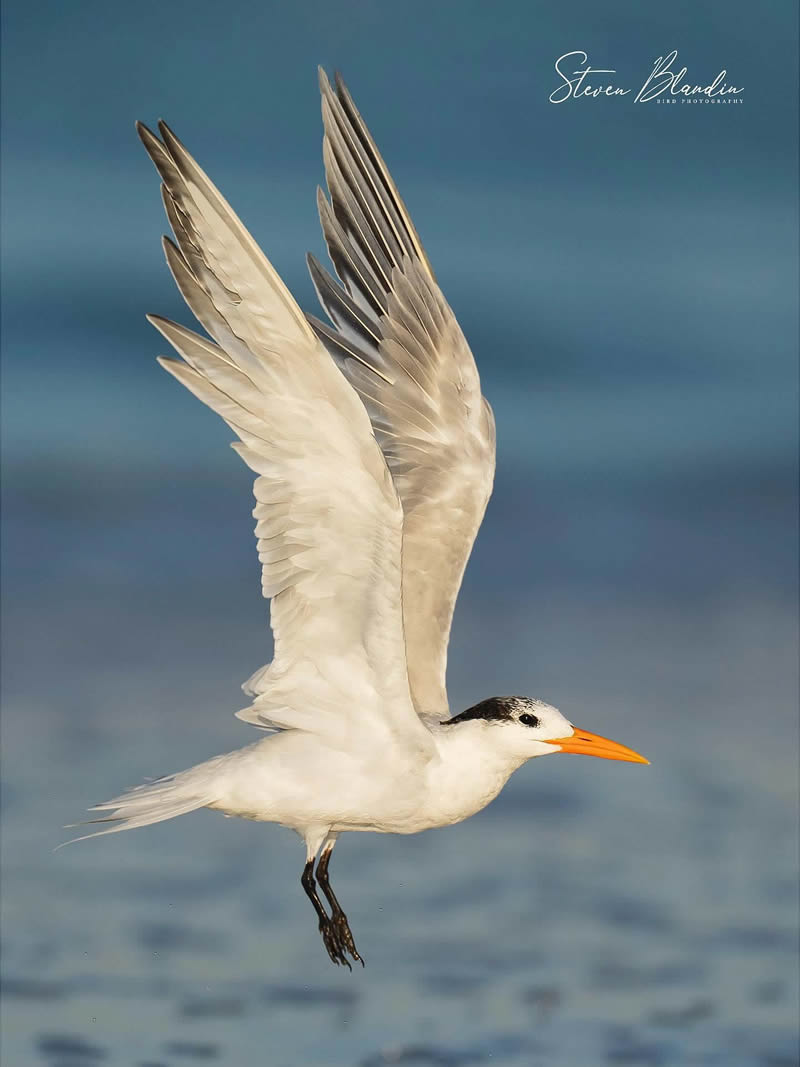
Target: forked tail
164, 798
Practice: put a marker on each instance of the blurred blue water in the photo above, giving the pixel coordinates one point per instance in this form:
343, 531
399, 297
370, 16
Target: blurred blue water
627, 279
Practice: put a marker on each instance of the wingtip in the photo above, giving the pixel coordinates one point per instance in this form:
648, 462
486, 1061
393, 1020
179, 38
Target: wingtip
338, 81
345, 96
147, 137
174, 257
169, 137
315, 269
166, 328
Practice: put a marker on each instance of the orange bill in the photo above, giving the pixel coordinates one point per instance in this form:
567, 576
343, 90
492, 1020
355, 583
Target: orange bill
594, 745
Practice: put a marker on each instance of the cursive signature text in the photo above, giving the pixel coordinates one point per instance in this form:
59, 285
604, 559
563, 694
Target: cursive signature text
577, 85
663, 81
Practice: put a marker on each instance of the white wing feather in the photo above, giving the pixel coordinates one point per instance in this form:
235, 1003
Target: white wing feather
398, 342
329, 522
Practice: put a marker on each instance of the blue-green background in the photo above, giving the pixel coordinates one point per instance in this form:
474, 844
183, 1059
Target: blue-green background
627, 276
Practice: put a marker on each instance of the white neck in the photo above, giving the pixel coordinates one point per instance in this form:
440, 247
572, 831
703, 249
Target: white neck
468, 774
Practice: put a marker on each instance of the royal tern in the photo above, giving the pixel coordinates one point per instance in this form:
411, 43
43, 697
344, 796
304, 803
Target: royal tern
374, 452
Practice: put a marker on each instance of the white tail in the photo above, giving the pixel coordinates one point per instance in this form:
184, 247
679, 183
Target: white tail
164, 798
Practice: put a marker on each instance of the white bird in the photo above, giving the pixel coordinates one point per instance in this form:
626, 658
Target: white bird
374, 452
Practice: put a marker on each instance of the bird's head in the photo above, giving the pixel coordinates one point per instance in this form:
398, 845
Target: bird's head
522, 728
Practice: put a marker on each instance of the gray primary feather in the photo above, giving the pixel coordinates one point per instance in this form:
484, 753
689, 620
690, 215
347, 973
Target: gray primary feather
398, 343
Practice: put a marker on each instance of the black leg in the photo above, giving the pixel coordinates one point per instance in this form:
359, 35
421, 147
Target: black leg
333, 946
338, 917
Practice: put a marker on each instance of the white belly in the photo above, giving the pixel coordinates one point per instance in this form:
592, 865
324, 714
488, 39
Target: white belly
298, 780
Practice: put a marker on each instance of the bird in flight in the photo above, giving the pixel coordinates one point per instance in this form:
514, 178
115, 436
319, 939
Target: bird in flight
374, 455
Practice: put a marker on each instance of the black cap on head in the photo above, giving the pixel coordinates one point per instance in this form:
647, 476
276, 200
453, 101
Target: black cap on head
493, 709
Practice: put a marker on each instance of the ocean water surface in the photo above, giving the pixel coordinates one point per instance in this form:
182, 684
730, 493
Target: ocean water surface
595, 913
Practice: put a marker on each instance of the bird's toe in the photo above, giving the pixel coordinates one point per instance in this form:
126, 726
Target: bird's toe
333, 944
345, 936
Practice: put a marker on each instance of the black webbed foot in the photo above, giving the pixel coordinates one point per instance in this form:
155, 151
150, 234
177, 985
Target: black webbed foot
334, 945
344, 935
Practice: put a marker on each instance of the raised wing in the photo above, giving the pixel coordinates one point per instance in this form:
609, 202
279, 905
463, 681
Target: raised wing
397, 341
329, 523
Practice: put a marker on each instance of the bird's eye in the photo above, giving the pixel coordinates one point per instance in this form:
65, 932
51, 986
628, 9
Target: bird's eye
528, 720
